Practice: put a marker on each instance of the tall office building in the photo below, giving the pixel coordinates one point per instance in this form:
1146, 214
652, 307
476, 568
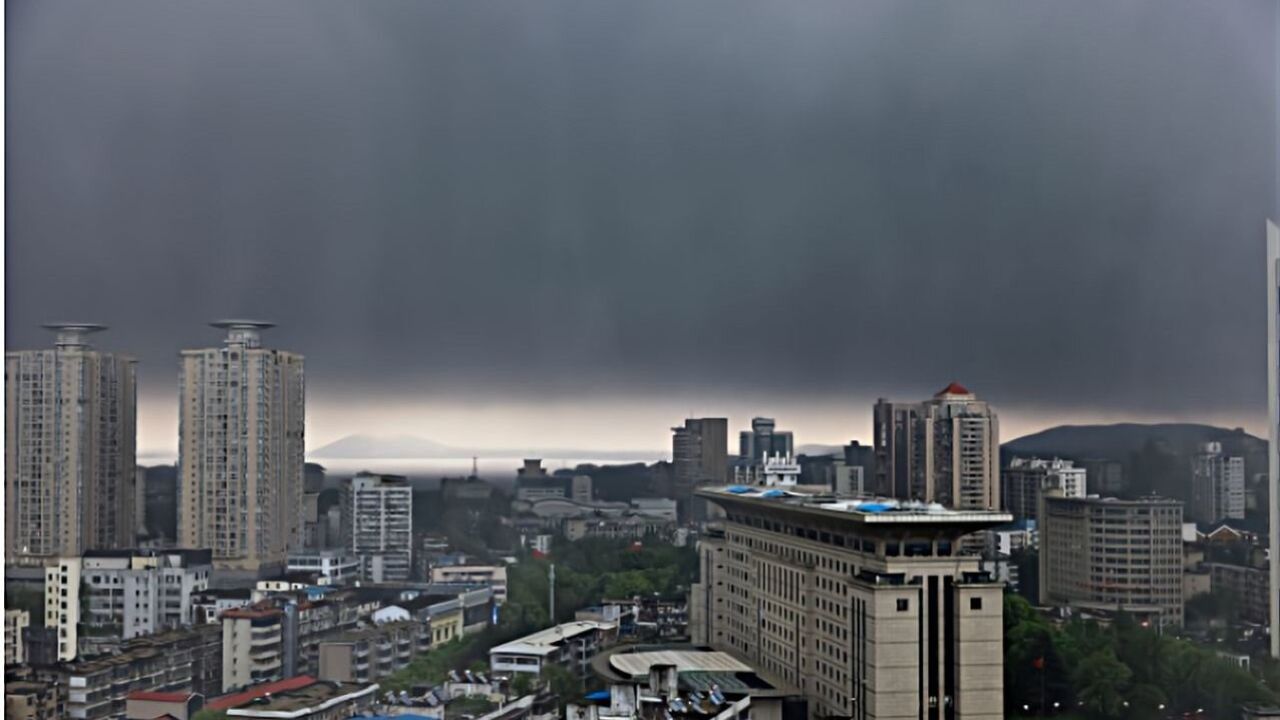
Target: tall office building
377, 520
1217, 485
240, 451
1026, 478
699, 456
1273, 422
69, 449
867, 607
762, 440
1106, 554
944, 450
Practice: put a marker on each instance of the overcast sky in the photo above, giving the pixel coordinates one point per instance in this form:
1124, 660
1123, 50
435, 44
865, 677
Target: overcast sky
573, 223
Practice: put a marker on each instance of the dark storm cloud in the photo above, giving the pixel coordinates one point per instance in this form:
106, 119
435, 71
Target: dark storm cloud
1059, 203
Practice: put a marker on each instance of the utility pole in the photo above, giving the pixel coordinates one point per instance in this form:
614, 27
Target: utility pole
552, 584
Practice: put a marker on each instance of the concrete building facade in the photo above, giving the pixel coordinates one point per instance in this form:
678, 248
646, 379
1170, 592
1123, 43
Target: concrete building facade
1109, 554
334, 567
377, 519
15, 648
252, 646
240, 451
568, 645
372, 653
699, 456
70, 462
1026, 478
868, 608
122, 594
1217, 485
944, 450
764, 439
493, 576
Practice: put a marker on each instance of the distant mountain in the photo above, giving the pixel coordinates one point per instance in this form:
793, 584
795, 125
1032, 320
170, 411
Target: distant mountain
1117, 442
1154, 458
386, 446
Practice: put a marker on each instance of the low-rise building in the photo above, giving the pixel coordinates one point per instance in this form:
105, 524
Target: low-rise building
252, 646
372, 653
172, 661
627, 527
569, 645
29, 700
302, 696
315, 701
208, 605
15, 648
683, 682
1248, 585
1025, 479
332, 567
494, 576
145, 705
105, 597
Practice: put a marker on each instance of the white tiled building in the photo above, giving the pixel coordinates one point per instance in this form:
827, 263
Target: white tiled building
107, 596
1217, 485
377, 520
569, 645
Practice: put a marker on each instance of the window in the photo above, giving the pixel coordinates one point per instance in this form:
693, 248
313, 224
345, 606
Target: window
975, 603
903, 604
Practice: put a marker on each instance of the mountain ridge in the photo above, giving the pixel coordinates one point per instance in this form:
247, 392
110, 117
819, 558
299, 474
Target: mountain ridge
362, 446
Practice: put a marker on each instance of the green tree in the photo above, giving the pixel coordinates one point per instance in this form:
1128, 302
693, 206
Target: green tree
1101, 682
522, 685
566, 685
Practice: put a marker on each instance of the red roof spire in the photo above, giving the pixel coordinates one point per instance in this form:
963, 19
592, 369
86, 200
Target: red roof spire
954, 388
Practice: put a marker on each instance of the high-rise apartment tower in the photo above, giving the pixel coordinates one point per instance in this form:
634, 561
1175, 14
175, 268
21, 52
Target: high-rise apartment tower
945, 450
69, 449
240, 452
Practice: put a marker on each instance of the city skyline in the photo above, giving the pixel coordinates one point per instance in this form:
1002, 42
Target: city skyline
702, 210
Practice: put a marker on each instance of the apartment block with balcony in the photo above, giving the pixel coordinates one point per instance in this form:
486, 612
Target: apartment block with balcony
70, 415
240, 452
252, 646
172, 661
377, 521
369, 654
15, 649
122, 594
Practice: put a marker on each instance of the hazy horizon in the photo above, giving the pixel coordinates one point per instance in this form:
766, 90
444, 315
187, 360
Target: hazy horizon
644, 429
571, 223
